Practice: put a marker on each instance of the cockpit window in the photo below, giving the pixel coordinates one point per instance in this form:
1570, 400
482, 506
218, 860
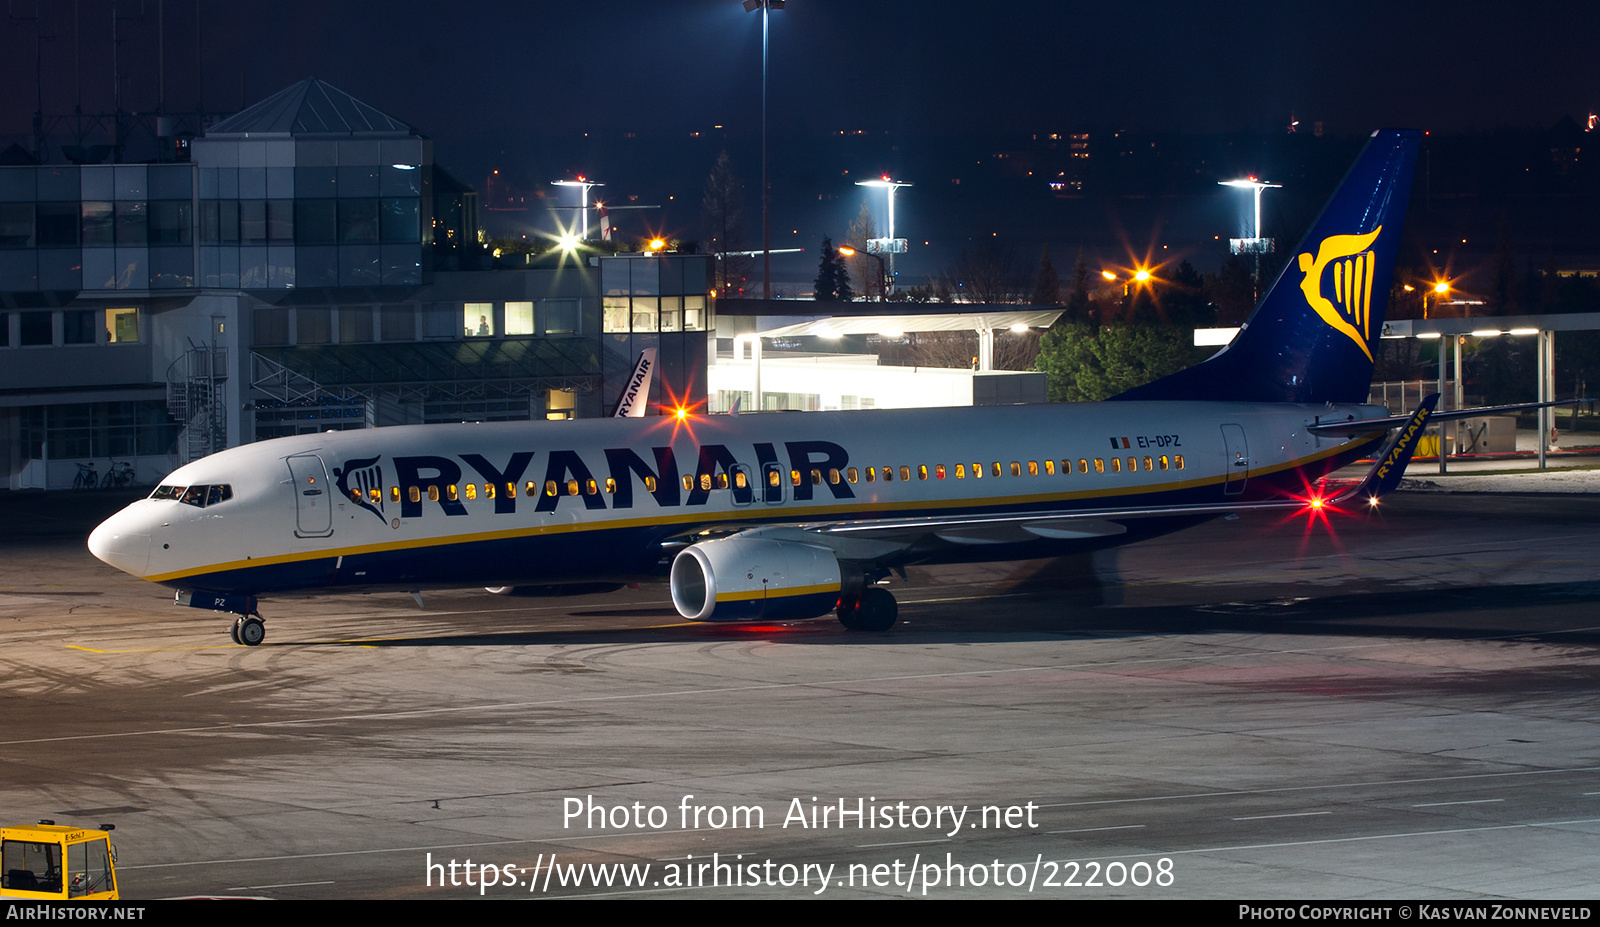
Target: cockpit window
197, 496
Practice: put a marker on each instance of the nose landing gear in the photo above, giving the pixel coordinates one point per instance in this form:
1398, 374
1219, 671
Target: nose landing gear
248, 628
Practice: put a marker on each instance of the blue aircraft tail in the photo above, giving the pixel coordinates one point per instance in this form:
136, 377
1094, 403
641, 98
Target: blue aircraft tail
1313, 335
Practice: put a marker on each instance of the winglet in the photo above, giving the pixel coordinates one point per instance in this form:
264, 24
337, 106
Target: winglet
636, 395
1391, 465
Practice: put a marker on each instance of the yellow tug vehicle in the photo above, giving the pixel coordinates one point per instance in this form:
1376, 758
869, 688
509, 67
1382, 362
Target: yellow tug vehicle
51, 863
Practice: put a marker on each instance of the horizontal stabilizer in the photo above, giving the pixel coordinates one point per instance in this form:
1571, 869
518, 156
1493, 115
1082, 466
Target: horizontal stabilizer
1357, 426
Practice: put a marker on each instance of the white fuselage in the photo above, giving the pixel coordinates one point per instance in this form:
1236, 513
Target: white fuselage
582, 501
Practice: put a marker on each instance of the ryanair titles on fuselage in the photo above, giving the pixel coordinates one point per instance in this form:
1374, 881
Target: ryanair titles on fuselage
365, 477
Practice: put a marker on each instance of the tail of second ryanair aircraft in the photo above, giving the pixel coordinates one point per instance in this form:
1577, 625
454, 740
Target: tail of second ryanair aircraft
1312, 337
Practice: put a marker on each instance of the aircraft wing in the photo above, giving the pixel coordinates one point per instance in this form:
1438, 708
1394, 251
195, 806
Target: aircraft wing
1382, 479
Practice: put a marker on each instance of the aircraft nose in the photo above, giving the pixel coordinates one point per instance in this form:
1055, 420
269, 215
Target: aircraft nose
124, 542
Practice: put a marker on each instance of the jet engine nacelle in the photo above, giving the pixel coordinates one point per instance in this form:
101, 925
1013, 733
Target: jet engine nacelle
733, 579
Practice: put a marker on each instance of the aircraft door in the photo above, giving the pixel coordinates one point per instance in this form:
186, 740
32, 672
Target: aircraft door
773, 479
1238, 460
313, 507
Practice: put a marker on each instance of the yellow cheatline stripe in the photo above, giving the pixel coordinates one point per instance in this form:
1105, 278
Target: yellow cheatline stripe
754, 515
776, 593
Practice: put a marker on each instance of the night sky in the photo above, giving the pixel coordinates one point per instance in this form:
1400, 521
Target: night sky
498, 84
912, 67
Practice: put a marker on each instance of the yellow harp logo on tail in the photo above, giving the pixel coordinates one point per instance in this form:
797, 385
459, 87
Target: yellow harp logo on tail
1352, 284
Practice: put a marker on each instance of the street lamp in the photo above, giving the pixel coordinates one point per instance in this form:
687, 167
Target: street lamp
750, 6
891, 245
883, 273
585, 184
1255, 244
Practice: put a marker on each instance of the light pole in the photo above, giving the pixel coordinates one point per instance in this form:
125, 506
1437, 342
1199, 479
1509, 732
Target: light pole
1255, 244
765, 6
883, 273
890, 245
585, 184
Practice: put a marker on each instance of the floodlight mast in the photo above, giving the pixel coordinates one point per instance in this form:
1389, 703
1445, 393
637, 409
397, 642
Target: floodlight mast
1255, 244
585, 184
765, 6
889, 186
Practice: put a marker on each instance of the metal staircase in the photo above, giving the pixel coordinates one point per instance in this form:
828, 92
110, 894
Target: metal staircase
195, 397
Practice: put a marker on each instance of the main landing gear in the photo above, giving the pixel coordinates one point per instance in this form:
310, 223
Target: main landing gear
874, 609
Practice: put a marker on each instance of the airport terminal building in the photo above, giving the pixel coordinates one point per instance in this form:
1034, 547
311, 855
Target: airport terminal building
308, 268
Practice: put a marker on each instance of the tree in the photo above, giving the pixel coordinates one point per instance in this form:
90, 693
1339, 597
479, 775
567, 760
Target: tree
989, 272
722, 211
833, 278
1232, 290
1086, 363
864, 267
1047, 286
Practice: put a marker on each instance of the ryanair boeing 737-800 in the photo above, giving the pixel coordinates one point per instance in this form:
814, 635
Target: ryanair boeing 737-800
786, 516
